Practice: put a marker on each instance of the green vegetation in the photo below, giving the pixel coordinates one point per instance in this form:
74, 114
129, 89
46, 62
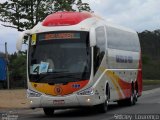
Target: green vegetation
151, 82
150, 46
17, 70
25, 14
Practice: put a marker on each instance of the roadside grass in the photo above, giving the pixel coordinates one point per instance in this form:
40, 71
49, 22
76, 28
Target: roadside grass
151, 82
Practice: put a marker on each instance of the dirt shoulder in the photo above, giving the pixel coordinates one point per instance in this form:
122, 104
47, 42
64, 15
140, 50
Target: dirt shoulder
13, 99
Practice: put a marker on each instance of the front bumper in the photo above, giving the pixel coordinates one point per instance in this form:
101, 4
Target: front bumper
68, 101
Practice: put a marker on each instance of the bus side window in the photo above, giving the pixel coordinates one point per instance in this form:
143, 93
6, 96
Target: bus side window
100, 38
99, 49
122, 40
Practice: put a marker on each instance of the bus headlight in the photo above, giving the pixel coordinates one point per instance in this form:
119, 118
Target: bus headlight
31, 93
88, 91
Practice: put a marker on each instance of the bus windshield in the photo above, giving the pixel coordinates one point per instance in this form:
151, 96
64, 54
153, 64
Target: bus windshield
59, 57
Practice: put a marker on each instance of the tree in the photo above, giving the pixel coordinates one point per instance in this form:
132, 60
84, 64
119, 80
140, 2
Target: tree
150, 46
83, 6
67, 5
63, 5
25, 14
17, 68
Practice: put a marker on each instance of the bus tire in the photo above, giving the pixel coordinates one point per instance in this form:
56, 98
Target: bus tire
102, 108
121, 102
136, 92
132, 100
48, 111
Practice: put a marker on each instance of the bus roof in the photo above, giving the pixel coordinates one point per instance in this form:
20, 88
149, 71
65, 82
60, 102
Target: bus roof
65, 18
73, 21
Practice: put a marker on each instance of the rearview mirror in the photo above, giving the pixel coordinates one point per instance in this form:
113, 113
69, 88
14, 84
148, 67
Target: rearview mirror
21, 39
92, 37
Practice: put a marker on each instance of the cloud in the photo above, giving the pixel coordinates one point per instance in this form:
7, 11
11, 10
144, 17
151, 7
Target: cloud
8, 35
136, 14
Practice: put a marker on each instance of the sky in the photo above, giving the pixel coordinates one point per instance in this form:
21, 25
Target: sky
139, 15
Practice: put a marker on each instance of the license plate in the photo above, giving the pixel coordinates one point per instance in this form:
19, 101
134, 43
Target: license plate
58, 102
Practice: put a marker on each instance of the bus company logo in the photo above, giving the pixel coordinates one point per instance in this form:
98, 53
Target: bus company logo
124, 59
58, 89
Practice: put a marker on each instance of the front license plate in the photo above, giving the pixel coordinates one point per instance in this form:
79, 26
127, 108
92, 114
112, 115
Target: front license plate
58, 102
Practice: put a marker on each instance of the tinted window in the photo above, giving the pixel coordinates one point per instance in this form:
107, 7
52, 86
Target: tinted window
123, 40
99, 49
60, 57
100, 38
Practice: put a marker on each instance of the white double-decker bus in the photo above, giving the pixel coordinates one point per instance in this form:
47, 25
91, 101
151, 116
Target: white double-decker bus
76, 59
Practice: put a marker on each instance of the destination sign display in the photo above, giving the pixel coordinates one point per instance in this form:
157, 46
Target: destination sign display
53, 36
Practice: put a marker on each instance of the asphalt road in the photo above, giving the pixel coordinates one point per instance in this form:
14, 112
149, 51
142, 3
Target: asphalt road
147, 108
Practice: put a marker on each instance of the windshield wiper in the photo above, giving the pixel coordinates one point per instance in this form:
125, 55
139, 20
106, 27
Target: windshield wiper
48, 74
59, 76
65, 82
68, 76
57, 82
59, 72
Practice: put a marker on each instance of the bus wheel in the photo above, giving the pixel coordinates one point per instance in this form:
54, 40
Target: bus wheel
48, 111
136, 93
104, 106
132, 99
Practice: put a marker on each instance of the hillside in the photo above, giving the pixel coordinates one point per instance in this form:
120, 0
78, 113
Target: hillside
150, 45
